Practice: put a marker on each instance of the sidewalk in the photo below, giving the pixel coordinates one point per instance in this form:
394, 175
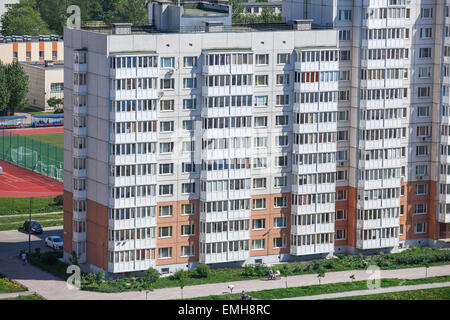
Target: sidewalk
374, 291
14, 294
53, 288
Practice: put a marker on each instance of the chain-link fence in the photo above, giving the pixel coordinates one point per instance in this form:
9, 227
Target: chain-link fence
32, 154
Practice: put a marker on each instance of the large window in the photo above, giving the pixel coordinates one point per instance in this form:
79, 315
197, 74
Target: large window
259, 204
168, 62
165, 211
165, 253
258, 244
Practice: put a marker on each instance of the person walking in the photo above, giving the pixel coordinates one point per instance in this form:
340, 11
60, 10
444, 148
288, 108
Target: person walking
24, 258
270, 274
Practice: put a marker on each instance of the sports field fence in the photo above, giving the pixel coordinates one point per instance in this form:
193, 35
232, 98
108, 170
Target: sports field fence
32, 154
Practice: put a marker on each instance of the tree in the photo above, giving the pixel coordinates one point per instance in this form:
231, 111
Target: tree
55, 103
54, 13
23, 20
182, 281
426, 265
133, 11
320, 274
237, 8
4, 93
100, 276
17, 86
151, 276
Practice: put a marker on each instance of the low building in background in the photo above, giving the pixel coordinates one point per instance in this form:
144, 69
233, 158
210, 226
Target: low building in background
28, 48
46, 80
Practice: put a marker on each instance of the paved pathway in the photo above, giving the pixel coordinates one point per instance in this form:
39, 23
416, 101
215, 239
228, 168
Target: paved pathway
53, 288
374, 291
25, 215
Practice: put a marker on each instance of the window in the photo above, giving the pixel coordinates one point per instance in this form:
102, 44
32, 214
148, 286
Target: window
259, 204
189, 62
283, 58
188, 125
165, 253
262, 59
341, 234
166, 126
280, 182
259, 163
341, 215
187, 167
401, 229
258, 224
167, 105
426, 13
344, 35
345, 15
190, 83
165, 168
345, 55
41, 54
165, 211
424, 92
425, 53
421, 150
188, 209
420, 228
260, 121
261, 80
187, 251
260, 142
258, 244
283, 79
168, 62
188, 187
280, 222
420, 208
421, 189
421, 170
281, 141
281, 120
189, 104
166, 190
280, 202
188, 230
165, 232
281, 161
167, 84
341, 195
282, 100
57, 87
424, 72
188, 146
261, 101
259, 183
166, 147
426, 33
28, 54
279, 243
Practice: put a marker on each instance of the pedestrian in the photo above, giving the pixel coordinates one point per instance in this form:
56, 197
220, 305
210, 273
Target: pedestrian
270, 274
231, 287
24, 258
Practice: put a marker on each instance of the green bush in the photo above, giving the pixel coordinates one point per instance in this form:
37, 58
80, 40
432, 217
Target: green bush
202, 270
249, 271
100, 276
261, 270
50, 259
152, 275
179, 275
37, 251
59, 200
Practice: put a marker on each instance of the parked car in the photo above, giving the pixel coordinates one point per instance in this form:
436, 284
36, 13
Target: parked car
31, 226
55, 242
1, 170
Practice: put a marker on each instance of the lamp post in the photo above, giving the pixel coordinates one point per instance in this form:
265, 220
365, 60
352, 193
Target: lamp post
29, 231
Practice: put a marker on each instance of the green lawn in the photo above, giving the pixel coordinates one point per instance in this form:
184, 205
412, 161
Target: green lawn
322, 289
27, 297
8, 286
10, 206
426, 294
55, 139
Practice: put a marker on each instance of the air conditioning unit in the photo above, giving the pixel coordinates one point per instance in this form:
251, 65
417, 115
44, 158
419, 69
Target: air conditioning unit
171, 71
160, 94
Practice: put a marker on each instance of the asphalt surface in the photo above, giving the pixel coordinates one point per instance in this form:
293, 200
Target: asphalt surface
11, 242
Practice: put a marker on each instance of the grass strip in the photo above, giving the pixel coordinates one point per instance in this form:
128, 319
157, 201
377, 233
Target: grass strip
304, 291
424, 294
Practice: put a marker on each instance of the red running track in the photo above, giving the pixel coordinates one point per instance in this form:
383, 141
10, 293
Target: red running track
20, 183
26, 132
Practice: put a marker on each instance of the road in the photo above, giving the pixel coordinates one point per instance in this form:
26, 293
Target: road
11, 242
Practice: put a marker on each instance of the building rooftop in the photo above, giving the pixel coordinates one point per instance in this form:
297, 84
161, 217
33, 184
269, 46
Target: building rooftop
46, 65
42, 38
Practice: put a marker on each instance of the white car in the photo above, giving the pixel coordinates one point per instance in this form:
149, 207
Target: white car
1, 170
54, 242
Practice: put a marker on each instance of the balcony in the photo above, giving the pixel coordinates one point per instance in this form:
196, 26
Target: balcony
312, 249
80, 132
224, 257
130, 266
377, 243
79, 236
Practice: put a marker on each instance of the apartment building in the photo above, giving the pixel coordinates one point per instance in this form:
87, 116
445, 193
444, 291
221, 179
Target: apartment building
194, 141
31, 48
